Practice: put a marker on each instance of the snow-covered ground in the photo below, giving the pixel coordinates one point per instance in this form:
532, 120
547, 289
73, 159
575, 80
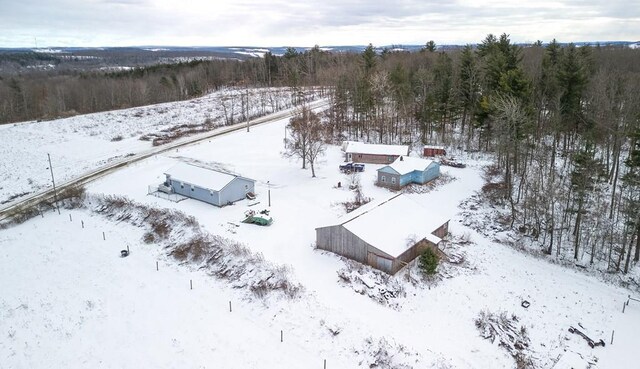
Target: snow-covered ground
85, 142
69, 300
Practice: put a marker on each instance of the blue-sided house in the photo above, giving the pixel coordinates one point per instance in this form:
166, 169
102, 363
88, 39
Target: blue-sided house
405, 170
208, 185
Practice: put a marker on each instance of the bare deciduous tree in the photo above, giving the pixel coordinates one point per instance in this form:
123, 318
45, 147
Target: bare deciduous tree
305, 138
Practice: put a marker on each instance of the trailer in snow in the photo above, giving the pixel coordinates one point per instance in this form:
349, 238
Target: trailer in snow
260, 218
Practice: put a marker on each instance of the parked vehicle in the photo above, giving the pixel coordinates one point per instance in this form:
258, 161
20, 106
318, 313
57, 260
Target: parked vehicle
352, 167
452, 163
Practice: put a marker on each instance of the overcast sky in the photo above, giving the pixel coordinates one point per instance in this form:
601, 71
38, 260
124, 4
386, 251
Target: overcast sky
307, 23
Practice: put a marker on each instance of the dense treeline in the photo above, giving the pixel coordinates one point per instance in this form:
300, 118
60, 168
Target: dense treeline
46, 95
563, 122
59, 92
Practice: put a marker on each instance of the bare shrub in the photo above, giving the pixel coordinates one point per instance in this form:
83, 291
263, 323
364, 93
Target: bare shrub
72, 197
187, 242
442, 180
490, 172
359, 198
20, 216
116, 202
495, 192
160, 227
195, 249
383, 354
377, 285
149, 237
502, 327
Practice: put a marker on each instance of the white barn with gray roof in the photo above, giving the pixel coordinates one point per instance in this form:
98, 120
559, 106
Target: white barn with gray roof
208, 185
386, 234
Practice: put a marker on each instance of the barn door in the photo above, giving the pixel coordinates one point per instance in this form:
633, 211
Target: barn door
379, 262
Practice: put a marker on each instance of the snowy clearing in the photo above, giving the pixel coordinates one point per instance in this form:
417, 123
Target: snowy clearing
70, 301
86, 142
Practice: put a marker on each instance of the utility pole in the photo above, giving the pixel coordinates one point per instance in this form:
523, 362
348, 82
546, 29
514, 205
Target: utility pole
55, 194
246, 105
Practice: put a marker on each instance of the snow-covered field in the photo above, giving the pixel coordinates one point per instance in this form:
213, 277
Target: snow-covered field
85, 142
68, 299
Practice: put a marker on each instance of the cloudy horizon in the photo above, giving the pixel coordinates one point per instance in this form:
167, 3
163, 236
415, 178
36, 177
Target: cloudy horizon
103, 23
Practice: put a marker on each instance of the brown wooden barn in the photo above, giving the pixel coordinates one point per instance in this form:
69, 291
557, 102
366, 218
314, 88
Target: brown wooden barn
433, 151
373, 153
386, 235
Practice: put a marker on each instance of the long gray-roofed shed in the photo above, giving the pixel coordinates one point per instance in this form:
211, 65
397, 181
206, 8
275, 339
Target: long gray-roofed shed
208, 185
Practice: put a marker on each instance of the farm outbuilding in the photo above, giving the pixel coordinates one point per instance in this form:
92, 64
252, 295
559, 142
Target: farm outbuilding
208, 185
432, 151
385, 235
405, 170
373, 153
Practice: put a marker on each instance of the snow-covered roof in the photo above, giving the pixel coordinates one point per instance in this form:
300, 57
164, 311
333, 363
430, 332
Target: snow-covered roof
200, 176
433, 238
376, 149
394, 224
407, 164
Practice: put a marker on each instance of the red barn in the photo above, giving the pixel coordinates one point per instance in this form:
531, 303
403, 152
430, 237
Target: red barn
431, 151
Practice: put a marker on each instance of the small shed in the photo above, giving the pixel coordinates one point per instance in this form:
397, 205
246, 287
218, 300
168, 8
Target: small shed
373, 153
405, 170
433, 151
208, 185
385, 235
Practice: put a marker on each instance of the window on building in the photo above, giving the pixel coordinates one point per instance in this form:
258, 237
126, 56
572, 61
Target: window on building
192, 188
383, 179
393, 180
181, 185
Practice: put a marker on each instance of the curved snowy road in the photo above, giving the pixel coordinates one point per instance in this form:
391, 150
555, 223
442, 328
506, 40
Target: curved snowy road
11, 208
